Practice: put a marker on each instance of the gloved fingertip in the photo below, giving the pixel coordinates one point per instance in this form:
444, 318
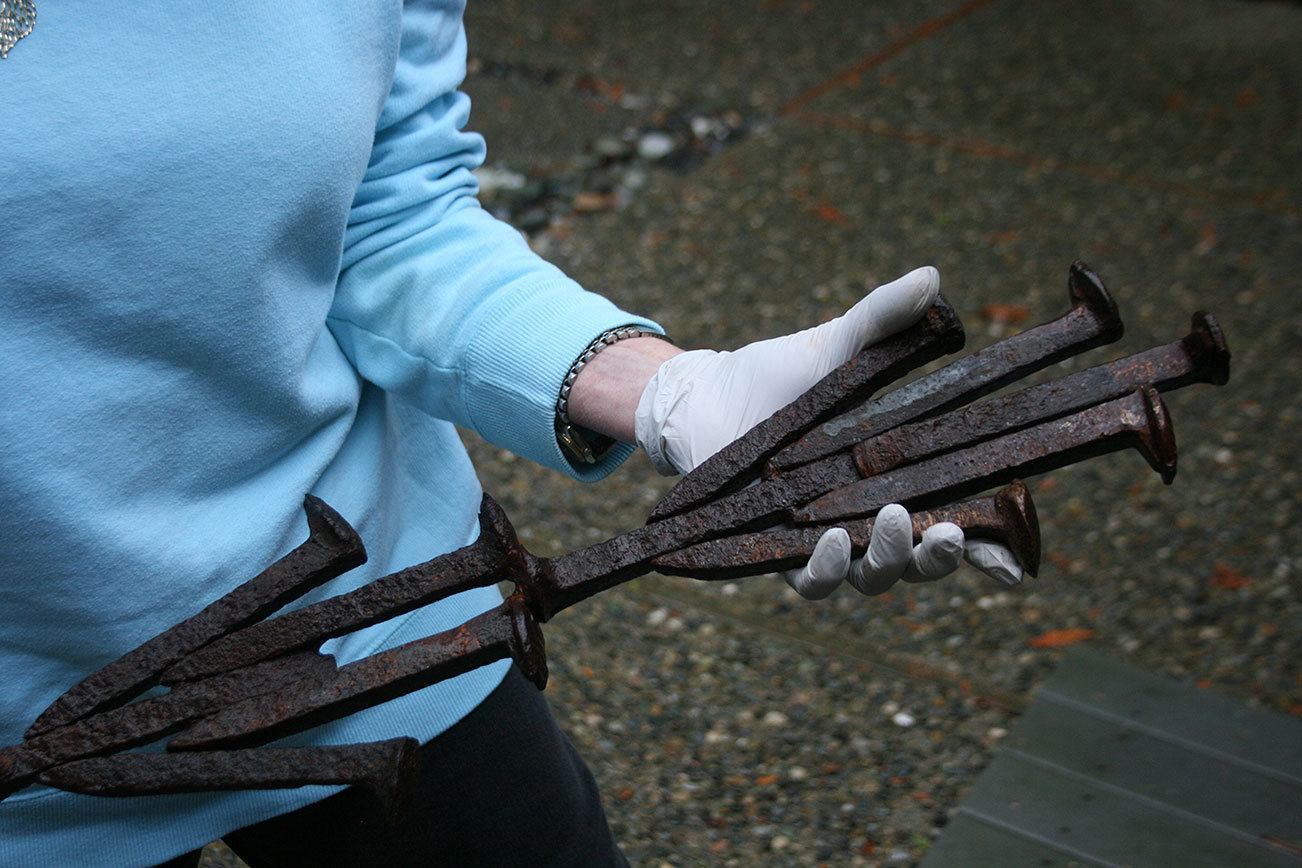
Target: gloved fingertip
827, 568
870, 582
944, 537
836, 540
807, 585
996, 561
921, 285
893, 521
891, 545
937, 555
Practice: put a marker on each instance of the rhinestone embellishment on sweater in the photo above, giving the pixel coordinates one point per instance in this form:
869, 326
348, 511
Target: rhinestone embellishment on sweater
17, 18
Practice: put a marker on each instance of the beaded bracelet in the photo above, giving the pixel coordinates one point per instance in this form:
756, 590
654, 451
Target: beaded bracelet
580, 444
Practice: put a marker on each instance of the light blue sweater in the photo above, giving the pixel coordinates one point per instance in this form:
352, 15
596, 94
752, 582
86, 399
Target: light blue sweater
241, 259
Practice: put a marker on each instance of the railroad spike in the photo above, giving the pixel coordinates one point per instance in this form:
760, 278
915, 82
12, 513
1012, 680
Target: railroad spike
236, 683
938, 333
148, 720
332, 548
1138, 421
388, 770
1092, 321
1007, 517
508, 630
1200, 357
495, 556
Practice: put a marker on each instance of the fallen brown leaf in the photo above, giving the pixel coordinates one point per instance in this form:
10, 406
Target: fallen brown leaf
588, 202
1061, 638
1227, 578
829, 213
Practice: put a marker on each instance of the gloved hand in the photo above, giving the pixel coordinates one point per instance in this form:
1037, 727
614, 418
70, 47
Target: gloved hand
700, 401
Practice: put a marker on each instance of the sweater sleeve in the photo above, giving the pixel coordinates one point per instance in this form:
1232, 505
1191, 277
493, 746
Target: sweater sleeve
439, 303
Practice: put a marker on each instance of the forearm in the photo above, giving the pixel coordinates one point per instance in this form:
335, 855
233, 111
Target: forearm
605, 394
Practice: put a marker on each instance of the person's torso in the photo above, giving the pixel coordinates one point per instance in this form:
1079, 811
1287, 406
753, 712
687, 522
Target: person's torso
175, 182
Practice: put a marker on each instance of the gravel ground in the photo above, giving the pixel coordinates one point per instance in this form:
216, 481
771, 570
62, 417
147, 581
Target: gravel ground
711, 166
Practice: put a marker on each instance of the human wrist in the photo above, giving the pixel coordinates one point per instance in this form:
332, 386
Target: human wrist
604, 395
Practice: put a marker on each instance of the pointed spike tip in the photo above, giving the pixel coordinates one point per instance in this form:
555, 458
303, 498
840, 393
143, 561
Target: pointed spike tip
332, 530
1086, 289
527, 645
1206, 343
1023, 523
1157, 441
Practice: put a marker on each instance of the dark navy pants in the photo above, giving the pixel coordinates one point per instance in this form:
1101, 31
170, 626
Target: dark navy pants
503, 786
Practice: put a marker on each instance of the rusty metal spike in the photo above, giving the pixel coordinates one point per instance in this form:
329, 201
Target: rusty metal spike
1007, 517
331, 549
1207, 347
512, 629
145, 721
509, 630
389, 770
1140, 421
938, 333
575, 576
1091, 322
1199, 357
495, 556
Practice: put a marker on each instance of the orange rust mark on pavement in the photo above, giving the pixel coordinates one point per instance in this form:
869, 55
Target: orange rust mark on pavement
1061, 638
850, 75
1274, 200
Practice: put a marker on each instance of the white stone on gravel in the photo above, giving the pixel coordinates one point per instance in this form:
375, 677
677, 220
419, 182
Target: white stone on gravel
655, 146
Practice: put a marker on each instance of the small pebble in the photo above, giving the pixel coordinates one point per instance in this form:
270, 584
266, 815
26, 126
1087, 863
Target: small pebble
655, 146
610, 147
904, 719
493, 179
775, 718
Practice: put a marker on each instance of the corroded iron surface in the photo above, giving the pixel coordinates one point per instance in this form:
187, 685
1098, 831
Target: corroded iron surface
237, 683
1007, 518
388, 770
331, 549
1200, 357
150, 719
495, 556
938, 333
1138, 421
578, 575
1091, 322
506, 631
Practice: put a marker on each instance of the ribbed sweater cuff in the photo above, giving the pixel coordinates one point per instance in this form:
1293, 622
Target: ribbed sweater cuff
519, 357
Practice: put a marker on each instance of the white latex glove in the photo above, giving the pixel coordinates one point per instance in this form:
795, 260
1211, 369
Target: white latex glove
700, 401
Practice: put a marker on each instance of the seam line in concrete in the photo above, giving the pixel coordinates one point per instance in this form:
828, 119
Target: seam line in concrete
1130, 795
1019, 832
1268, 201
1054, 696
851, 74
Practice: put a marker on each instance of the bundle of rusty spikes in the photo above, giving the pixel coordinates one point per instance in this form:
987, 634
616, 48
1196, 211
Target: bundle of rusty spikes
832, 457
